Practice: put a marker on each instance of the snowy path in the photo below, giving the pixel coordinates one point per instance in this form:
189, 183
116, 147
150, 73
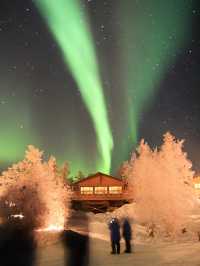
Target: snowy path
184, 254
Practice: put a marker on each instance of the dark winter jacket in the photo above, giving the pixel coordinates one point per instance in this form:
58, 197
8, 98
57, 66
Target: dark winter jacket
126, 230
114, 230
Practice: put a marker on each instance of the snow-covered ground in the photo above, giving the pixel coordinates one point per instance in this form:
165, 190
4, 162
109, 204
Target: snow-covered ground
183, 251
155, 254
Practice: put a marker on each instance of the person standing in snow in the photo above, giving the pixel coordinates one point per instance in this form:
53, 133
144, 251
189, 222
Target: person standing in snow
115, 235
127, 234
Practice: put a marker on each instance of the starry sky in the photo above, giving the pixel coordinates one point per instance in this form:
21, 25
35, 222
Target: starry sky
85, 80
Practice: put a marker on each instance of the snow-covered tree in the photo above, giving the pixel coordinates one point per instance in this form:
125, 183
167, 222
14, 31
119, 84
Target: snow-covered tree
173, 156
47, 198
161, 183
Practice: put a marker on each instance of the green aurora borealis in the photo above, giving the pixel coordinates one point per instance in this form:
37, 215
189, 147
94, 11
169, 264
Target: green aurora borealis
69, 26
14, 117
147, 46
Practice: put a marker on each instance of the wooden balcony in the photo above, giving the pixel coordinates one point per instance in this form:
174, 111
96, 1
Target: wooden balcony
125, 195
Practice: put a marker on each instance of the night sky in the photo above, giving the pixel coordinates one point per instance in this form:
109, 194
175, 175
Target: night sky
86, 80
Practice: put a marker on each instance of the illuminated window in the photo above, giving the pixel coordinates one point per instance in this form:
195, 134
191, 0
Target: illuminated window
115, 190
197, 185
100, 190
86, 190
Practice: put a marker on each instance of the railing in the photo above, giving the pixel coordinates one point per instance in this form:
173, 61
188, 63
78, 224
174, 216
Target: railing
76, 195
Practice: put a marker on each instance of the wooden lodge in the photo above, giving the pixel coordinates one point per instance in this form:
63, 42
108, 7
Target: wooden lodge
100, 192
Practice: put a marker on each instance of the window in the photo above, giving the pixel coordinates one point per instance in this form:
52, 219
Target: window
197, 185
100, 190
115, 190
86, 190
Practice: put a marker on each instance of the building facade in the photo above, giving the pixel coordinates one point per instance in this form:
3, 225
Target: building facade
100, 192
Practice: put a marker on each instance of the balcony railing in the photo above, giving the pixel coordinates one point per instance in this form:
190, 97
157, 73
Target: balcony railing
76, 195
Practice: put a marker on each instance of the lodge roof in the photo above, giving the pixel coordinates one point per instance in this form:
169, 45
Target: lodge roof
95, 175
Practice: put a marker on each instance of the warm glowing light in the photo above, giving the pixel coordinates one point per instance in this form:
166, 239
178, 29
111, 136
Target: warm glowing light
52, 227
100, 190
86, 190
197, 185
115, 190
20, 216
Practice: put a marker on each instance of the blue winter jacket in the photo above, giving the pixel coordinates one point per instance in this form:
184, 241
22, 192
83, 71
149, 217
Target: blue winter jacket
126, 230
114, 230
